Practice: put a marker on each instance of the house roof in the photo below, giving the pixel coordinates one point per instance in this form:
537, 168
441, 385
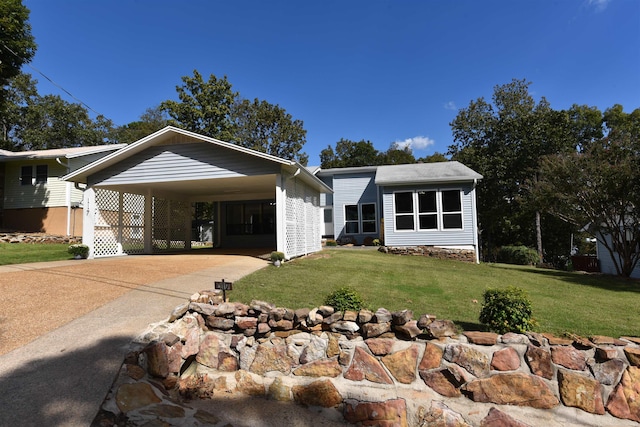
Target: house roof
167, 135
422, 173
341, 171
57, 152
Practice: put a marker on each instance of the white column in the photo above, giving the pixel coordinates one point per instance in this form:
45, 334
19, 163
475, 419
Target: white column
281, 215
88, 222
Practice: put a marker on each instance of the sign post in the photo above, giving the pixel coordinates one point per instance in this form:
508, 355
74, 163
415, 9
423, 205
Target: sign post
224, 286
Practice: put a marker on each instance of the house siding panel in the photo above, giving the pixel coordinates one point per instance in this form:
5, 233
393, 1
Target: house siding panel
183, 162
353, 189
51, 194
448, 238
606, 263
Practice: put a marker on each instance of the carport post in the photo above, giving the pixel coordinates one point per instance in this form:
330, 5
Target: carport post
281, 222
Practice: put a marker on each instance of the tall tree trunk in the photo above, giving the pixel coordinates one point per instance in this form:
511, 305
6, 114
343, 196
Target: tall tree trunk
539, 235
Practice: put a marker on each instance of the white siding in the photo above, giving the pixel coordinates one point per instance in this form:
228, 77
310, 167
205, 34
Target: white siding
447, 238
606, 263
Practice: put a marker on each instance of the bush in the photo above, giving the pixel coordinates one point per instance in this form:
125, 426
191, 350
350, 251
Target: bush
520, 255
331, 242
506, 310
277, 256
344, 299
79, 250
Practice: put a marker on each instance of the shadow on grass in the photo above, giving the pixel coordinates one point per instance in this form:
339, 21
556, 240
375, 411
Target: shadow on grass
600, 281
471, 326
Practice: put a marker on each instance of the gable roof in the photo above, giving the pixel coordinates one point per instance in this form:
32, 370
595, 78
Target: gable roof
423, 173
58, 152
166, 135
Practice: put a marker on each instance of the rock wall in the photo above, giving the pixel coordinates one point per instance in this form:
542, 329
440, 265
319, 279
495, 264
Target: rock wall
465, 255
371, 368
37, 238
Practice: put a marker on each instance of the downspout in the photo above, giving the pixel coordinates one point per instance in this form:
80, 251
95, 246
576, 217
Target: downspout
475, 221
67, 195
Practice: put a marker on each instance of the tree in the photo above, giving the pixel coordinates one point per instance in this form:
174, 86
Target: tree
37, 122
17, 47
204, 107
504, 142
268, 128
433, 158
396, 155
152, 120
349, 154
599, 187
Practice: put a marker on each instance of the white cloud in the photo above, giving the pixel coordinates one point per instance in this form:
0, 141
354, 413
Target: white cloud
450, 106
415, 143
598, 5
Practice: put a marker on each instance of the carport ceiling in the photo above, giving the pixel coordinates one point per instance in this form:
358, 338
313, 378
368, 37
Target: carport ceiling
203, 189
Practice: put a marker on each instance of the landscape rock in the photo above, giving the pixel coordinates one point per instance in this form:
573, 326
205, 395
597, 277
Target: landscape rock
441, 328
469, 358
539, 361
319, 393
497, 418
579, 391
569, 357
380, 346
512, 389
633, 355
432, 357
382, 315
319, 368
402, 364
130, 397
440, 414
609, 372
271, 359
506, 359
408, 330
624, 401
365, 366
481, 338
371, 330
387, 413
441, 381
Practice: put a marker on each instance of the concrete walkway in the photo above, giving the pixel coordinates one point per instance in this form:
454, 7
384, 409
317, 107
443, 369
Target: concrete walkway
62, 377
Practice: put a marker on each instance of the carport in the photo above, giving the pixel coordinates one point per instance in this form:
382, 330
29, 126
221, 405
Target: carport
139, 199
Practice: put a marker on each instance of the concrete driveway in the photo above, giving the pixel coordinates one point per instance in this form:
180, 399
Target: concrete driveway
60, 378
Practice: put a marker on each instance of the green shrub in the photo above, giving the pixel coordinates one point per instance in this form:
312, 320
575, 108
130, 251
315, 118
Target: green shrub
506, 310
519, 255
79, 250
331, 242
377, 242
277, 256
344, 299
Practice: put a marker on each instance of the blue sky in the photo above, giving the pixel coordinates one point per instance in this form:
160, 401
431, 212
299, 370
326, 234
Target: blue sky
383, 71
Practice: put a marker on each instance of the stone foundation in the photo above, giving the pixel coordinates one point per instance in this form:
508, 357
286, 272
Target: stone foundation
370, 369
37, 238
465, 255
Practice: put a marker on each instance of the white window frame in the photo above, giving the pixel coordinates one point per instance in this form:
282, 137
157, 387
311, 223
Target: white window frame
439, 211
360, 221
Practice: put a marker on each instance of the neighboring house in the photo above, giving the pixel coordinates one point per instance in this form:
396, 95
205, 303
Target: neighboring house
424, 204
139, 199
606, 262
33, 198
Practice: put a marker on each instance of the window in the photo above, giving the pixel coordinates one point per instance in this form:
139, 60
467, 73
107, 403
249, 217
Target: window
427, 210
41, 174
403, 203
360, 219
451, 209
351, 220
430, 209
26, 175
250, 218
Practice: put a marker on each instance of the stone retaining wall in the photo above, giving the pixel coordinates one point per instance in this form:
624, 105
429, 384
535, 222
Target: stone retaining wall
465, 255
37, 238
372, 368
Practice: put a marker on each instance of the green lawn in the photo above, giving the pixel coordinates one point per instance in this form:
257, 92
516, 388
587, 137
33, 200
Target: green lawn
20, 253
562, 301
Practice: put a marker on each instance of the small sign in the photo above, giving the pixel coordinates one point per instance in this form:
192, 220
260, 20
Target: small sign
224, 286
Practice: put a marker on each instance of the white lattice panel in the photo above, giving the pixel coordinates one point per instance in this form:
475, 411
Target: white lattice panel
105, 240
170, 219
132, 223
302, 219
118, 223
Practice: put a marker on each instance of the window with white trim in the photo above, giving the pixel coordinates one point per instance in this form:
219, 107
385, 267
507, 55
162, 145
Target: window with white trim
27, 176
428, 209
360, 219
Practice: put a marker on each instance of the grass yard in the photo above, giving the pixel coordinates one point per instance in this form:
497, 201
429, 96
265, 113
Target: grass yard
20, 253
563, 302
